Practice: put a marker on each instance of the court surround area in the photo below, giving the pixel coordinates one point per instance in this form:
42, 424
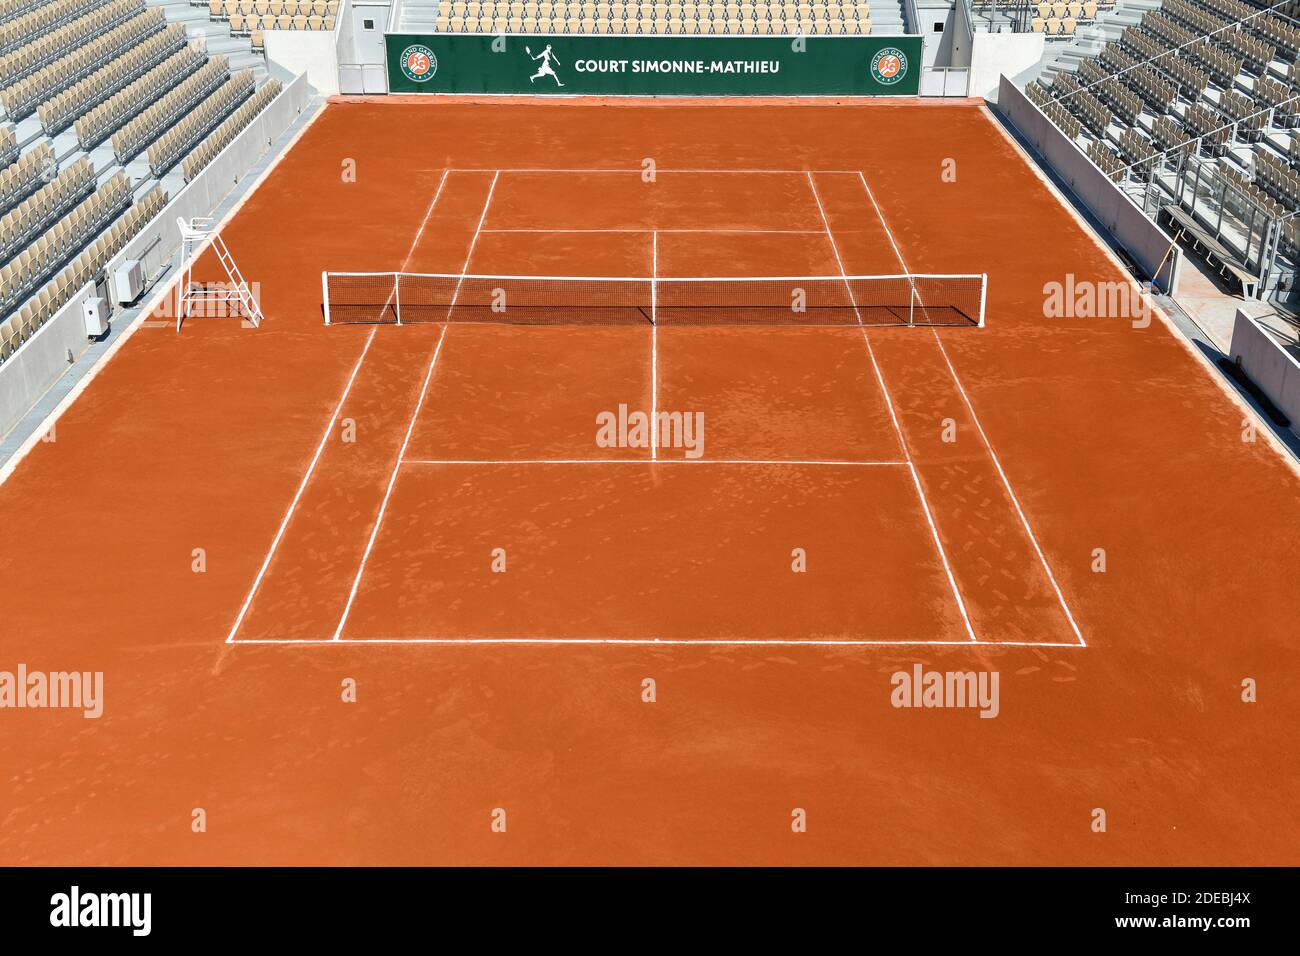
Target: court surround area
425, 509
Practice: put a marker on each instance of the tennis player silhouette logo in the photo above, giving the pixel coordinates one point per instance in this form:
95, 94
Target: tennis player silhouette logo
546, 56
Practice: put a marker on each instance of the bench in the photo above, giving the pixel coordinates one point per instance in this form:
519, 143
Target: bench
1216, 253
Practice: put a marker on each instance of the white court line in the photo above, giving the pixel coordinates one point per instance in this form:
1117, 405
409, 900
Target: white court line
392, 480
648, 461
302, 486
473, 242
410, 427
898, 430
428, 213
397, 279
637, 170
311, 467
644, 641
722, 231
979, 428
654, 346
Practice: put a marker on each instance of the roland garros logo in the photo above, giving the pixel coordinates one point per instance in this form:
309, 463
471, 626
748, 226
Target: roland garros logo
418, 63
889, 65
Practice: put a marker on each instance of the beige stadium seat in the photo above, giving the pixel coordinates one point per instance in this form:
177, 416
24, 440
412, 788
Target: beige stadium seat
1067, 26
236, 23
1053, 26
1044, 8
1058, 9
1090, 10
1036, 24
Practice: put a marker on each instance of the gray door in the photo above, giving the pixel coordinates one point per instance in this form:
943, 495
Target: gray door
368, 21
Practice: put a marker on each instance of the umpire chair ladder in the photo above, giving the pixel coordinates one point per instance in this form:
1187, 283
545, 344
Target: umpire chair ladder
194, 235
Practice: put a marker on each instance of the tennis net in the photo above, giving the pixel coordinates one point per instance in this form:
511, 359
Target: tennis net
404, 297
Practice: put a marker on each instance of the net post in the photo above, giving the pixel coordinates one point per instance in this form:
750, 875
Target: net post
325, 294
654, 301
397, 296
911, 302
984, 294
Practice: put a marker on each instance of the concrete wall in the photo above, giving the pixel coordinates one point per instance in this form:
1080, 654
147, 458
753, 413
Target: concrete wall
28, 374
993, 54
310, 52
1145, 242
1275, 370
344, 49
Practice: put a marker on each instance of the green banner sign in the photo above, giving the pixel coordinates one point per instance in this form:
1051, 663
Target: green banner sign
669, 65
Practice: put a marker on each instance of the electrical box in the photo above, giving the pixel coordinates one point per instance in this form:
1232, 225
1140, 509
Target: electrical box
128, 282
95, 312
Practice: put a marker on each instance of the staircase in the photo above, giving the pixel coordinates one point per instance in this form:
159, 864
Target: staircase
1088, 41
216, 34
887, 17
417, 16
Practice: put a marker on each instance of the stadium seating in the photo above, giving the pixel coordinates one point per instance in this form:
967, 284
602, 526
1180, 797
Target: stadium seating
80, 75
759, 17
209, 114
25, 84
58, 291
253, 18
1217, 79
155, 119
30, 217
227, 131
23, 177
58, 112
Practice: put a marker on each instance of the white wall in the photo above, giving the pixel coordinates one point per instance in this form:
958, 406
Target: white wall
311, 52
993, 54
1268, 365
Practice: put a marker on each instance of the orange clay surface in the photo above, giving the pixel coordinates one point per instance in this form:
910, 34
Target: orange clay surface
1109, 436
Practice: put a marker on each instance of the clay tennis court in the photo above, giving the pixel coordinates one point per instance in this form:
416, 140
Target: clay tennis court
948, 485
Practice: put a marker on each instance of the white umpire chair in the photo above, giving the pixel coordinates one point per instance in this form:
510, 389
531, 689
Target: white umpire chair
195, 234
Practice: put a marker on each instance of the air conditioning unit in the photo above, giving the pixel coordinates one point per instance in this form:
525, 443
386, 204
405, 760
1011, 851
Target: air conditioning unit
128, 282
95, 313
